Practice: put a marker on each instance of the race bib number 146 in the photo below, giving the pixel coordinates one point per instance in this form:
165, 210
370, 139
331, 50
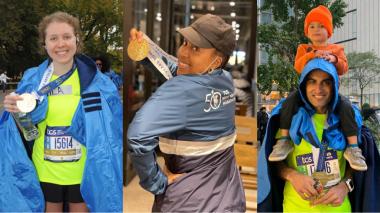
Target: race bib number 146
306, 165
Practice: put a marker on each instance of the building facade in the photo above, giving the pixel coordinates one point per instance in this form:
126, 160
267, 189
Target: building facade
360, 33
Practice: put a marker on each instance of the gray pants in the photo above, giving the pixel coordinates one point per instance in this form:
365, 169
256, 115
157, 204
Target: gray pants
4, 86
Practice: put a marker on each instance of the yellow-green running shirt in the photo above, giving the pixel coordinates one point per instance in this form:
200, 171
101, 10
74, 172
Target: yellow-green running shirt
62, 104
301, 159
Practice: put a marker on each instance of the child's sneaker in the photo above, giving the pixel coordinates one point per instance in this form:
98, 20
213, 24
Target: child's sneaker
281, 150
355, 158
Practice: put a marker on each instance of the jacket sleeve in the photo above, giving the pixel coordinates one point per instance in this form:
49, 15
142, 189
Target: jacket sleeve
28, 84
270, 194
20, 187
341, 65
302, 57
117, 79
98, 124
367, 186
162, 114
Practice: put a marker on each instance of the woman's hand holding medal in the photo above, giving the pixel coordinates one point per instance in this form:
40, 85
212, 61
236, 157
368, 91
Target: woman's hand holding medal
138, 47
19, 103
10, 101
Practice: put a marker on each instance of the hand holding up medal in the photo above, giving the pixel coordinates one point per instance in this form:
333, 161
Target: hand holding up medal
27, 104
19, 103
138, 47
141, 47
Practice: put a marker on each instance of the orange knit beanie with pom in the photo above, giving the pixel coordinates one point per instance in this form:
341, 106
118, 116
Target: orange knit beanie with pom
322, 15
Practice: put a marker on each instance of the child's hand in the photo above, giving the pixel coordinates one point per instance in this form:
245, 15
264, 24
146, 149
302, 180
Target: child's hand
321, 53
327, 55
330, 58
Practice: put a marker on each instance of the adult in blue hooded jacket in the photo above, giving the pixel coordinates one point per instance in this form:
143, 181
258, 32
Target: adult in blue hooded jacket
77, 155
319, 141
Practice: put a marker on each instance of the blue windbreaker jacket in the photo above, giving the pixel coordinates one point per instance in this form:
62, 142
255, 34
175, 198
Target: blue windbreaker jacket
116, 78
191, 119
97, 124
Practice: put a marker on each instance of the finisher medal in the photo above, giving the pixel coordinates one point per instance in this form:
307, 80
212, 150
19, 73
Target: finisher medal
27, 104
323, 177
137, 51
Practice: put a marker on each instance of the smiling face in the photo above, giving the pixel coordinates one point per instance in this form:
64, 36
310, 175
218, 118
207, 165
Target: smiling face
317, 33
196, 60
60, 42
319, 90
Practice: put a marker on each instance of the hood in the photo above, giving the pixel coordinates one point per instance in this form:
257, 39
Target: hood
327, 67
86, 70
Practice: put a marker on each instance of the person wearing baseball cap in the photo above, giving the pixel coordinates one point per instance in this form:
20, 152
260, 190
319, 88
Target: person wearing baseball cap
318, 27
192, 114
214, 37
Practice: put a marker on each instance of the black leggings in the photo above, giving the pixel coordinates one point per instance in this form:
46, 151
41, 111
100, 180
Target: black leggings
61, 193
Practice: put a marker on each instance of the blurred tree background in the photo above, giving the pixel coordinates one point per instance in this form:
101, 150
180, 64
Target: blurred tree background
101, 24
363, 69
280, 38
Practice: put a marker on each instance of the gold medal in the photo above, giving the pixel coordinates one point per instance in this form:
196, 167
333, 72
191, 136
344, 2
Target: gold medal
137, 51
323, 177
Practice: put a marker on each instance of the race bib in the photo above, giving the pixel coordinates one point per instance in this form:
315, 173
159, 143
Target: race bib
306, 164
60, 146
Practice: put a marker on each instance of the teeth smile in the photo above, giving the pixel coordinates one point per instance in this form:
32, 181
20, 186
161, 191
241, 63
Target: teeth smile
61, 52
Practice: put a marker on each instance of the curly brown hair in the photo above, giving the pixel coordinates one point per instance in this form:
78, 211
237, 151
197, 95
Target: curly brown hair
61, 17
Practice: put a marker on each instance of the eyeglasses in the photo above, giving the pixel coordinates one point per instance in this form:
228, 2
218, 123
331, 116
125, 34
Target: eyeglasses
99, 64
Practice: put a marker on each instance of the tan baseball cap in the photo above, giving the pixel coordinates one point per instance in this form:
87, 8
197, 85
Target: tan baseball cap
211, 31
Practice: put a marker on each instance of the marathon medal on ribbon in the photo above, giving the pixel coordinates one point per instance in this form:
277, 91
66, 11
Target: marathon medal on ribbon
323, 178
27, 104
137, 51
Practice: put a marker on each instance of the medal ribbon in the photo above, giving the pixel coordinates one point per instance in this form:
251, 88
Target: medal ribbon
322, 148
322, 151
322, 154
154, 56
45, 87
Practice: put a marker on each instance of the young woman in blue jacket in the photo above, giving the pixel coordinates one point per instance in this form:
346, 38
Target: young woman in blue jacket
78, 154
